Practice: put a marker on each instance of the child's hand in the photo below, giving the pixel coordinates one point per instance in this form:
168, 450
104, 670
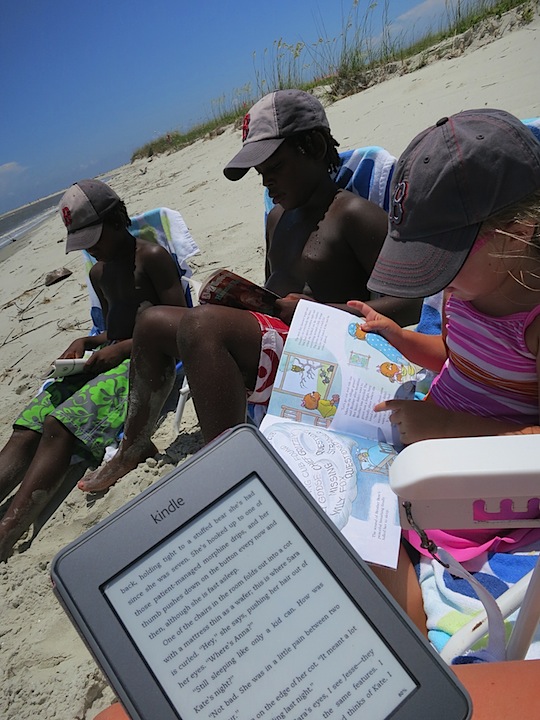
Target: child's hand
75, 350
375, 322
416, 420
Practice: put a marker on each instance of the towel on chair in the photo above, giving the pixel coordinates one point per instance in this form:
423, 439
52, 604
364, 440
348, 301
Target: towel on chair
168, 229
367, 171
450, 602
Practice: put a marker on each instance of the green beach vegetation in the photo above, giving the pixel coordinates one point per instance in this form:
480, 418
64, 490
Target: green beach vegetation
358, 57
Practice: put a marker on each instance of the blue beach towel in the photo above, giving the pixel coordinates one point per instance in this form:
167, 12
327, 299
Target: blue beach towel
450, 602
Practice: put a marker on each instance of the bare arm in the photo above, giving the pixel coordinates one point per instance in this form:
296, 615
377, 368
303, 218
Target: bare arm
417, 421
426, 420
95, 275
271, 222
429, 351
161, 269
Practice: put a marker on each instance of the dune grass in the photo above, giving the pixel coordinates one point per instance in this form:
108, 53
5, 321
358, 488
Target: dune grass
359, 56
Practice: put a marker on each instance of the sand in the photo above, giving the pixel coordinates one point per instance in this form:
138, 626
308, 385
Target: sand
45, 669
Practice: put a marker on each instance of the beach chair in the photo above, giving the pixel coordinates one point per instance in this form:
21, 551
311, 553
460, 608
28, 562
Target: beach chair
478, 483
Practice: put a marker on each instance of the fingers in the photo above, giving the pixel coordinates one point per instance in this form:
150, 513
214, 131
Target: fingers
92, 360
362, 308
396, 417
389, 405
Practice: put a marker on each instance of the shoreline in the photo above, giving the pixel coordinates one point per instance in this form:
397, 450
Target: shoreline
46, 671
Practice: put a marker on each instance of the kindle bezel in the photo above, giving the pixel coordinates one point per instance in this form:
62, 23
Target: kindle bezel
81, 570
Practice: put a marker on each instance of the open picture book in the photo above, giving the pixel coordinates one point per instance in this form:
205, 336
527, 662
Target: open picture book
224, 287
321, 421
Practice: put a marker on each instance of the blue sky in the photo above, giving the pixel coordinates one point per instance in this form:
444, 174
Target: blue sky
83, 84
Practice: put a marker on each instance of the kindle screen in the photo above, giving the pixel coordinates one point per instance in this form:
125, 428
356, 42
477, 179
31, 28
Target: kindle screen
237, 617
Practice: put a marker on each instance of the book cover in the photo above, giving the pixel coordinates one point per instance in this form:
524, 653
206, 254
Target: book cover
224, 287
62, 367
321, 421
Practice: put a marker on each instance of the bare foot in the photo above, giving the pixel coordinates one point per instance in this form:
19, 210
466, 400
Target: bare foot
8, 539
18, 518
108, 474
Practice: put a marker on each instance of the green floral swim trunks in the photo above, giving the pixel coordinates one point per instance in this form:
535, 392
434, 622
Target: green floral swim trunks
94, 410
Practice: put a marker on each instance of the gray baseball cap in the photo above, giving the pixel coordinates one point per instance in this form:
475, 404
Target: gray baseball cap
448, 181
270, 121
82, 208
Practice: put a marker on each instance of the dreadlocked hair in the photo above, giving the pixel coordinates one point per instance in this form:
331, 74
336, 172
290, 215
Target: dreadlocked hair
117, 216
305, 142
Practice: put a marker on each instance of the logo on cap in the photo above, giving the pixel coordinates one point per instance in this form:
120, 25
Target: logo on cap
245, 127
396, 215
66, 216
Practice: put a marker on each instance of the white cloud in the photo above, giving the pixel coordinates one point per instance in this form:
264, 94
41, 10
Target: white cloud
10, 169
420, 11
428, 16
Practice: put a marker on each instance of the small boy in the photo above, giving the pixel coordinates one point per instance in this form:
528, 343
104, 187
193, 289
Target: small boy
85, 412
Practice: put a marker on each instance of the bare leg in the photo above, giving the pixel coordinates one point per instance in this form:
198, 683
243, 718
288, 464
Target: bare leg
15, 458
404, 587
220, 349
151, 380
42, 478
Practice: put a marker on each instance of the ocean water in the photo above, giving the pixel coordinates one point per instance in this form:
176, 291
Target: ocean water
15, 224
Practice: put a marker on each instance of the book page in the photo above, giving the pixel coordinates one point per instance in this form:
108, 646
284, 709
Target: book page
238, 618
321, 421
348, 477
331, 373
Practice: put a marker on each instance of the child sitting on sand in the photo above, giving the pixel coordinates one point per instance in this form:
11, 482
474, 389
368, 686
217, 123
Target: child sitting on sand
84, 413
321, 242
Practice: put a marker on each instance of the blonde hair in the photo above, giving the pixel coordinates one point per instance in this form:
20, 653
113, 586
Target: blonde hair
526, 212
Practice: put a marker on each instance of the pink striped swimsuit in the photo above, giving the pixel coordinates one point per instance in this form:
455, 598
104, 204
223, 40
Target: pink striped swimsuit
489, 372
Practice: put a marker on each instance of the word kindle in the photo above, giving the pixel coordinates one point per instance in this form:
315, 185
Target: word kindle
223, 591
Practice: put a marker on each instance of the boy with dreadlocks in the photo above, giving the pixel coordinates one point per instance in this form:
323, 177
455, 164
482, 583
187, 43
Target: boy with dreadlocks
84, 413
321, 243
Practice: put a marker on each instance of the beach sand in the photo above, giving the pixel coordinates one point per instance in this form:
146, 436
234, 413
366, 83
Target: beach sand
46, 671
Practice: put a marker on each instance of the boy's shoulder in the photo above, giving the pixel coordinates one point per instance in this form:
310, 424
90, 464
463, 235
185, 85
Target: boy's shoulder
351, 208
152, 251
96, 271
348, 199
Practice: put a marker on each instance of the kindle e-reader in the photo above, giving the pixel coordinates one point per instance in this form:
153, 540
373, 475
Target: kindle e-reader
223, 591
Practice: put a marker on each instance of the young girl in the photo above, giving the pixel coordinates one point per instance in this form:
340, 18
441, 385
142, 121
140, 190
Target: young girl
465, 217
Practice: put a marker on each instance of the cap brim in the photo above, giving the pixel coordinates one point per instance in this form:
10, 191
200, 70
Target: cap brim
250, 155
421, 267
83, 239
